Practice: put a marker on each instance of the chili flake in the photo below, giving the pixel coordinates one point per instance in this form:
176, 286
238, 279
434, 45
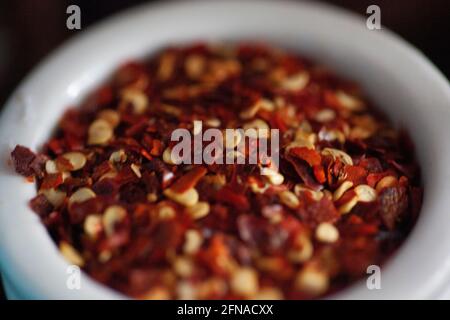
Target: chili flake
345, 195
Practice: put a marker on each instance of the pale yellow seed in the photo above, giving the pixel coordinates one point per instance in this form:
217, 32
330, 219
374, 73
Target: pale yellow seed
81, 195
170, 109
166, 212
365, 193
54, 196
213, 123
136, 98
217, 181
365, 121
194, 65
76, 159
183, 267
186, 291
71, 254
291, 116
299, 144
289, 199
279, 102
312, 281
65, 175
346, 185
386, 182
256, 129
338, 154
136, 169
347, 207
219, 70
303, 250
51, 167
152, 197
268, 293
267, 105
166, 66
213, 286
276, 218
305, 133
167, 156
193, 242
269, 264
295, 82
360, 133
157, 293
100, 132
305, 127
244, 281
104, 256
109, 175
118, 156
303, 139
272, 176
232, 138
187, 198
325, 115
93, 225
112, 215
251, 111
327, 232
345, 129
349, 102
198, 210
111, 116
315, 195
256, 188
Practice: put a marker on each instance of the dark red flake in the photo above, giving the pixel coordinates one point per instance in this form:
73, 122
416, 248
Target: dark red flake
22, 159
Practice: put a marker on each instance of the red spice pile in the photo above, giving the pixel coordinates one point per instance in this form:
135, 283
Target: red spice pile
346, 195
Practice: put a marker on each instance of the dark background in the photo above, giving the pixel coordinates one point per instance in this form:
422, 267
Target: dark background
30, 29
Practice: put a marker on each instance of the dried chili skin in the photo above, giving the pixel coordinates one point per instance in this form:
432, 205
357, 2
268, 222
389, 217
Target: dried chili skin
118, 207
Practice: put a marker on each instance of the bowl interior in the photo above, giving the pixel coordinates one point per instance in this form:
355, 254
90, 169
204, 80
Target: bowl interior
394, 75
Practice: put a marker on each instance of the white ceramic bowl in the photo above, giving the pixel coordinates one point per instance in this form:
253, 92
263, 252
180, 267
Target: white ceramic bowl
395, 75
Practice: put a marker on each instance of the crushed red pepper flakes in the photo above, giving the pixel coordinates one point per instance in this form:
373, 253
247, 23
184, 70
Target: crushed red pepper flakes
347, 193
52, 181
310, 156
26, 162
189, 180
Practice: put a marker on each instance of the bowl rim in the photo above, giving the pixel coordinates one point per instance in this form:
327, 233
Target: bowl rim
27, 278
